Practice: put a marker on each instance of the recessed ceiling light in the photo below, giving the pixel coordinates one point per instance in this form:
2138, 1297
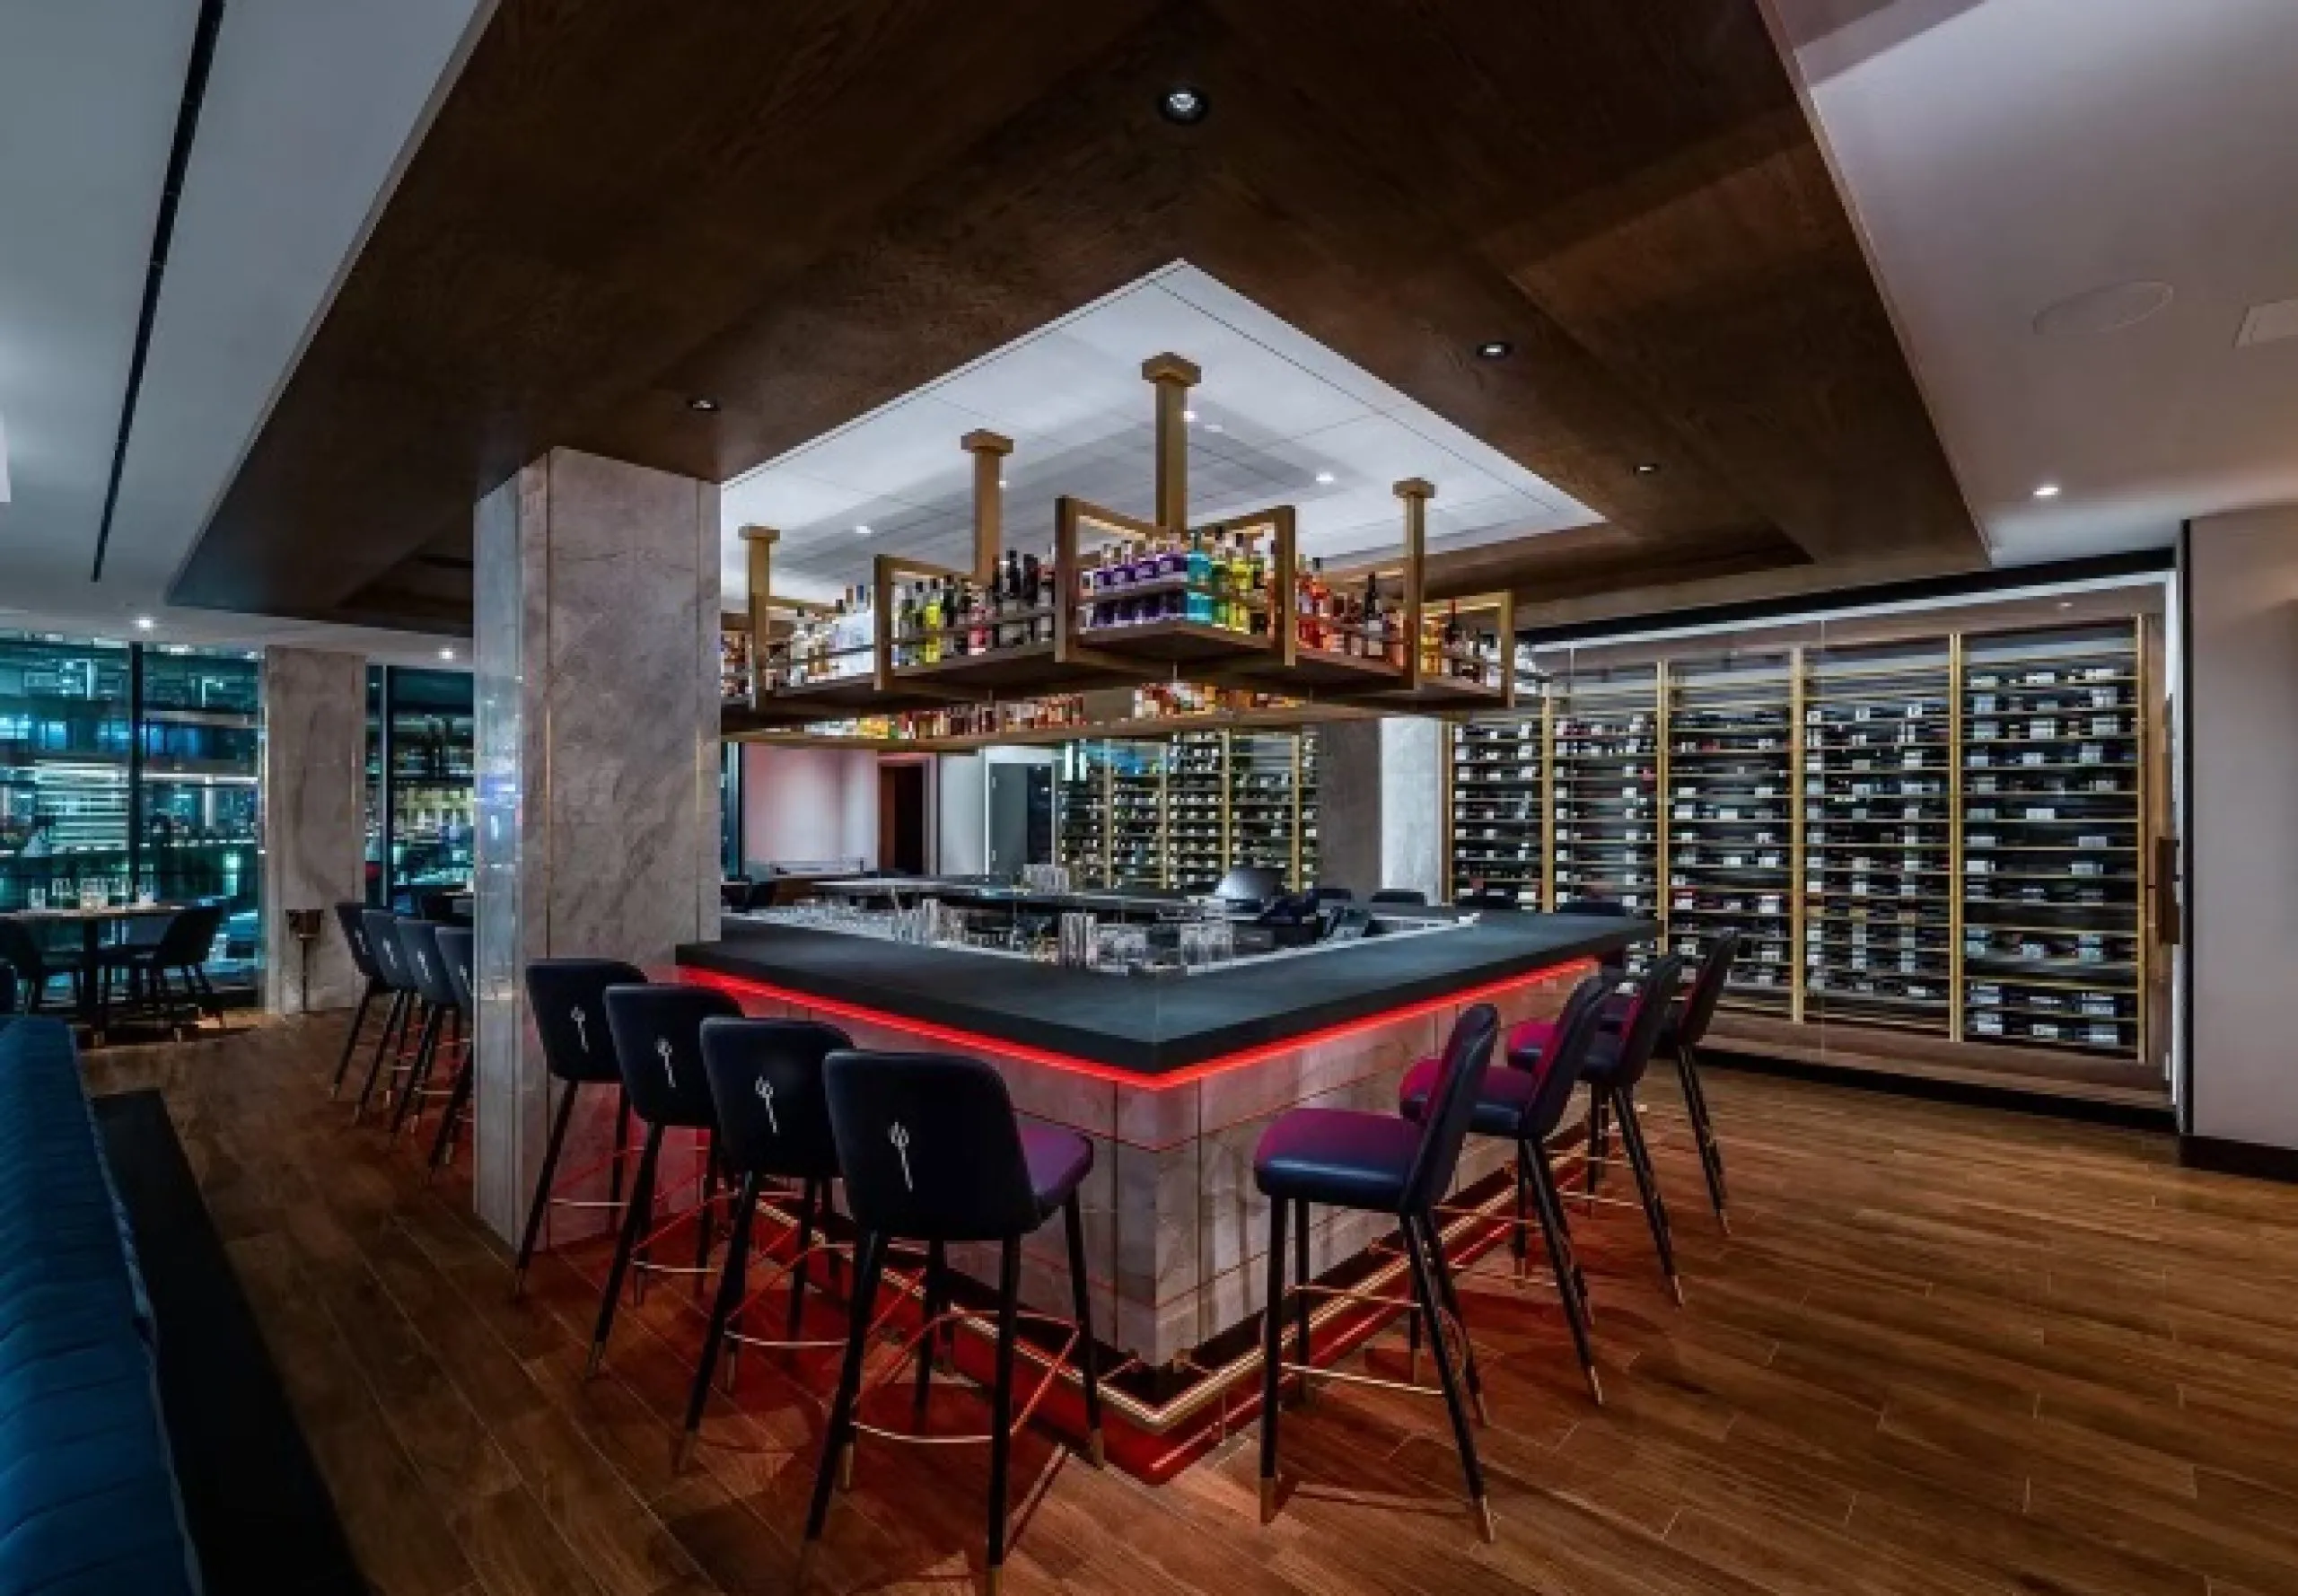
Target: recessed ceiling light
2049, 490
861, 530
1324, 476
1184, 103
1647, 468
144, 623
1494, 349
2109, 308
699, 403
446, 653
2067, 604
1189, 415
1001, 482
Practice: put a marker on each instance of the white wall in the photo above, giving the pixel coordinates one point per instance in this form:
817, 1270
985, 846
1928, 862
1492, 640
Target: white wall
810, 803
962, 815
2241, 706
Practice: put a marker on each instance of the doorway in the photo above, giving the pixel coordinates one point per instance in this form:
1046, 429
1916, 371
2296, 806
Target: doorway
901, 817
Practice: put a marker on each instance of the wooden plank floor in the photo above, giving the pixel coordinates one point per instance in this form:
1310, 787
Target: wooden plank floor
1947, 1352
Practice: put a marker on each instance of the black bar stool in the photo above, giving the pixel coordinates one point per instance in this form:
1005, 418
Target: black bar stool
1377, 1164
1525, 1106
932, 1151
442, 1020
568, 1000
1614, 1069
457, 950
351, 919
1681, 1035
399, 1025
658, 1047
766, 1081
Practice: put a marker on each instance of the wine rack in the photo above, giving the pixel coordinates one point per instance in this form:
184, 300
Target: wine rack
2053, 805
1182, 812
1604, 787
1878, 761
1497, 825
1731, 802
1305, 876
1137, 814
1264, 804
1943, 835
1197, 822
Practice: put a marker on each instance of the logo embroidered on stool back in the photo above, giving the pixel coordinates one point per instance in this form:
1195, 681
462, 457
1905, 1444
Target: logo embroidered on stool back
662, 1051
899, 1137
765, 1095
582, 1037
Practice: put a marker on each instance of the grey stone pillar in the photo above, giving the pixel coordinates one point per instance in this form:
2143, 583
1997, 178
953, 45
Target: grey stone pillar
1379, 805
597, 659
314, 820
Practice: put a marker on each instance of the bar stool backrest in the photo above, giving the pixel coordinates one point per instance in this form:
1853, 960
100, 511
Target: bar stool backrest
187, 937
1404, 897
929, 1147
1707, 988
658, 1043
352, 918
1467, 1054
1655, 995
427, 969
1561, 1061
766, 1081
456, 951
383, 941
568, 999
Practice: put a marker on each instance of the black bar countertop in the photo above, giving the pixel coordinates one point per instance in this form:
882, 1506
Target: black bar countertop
1152, 1026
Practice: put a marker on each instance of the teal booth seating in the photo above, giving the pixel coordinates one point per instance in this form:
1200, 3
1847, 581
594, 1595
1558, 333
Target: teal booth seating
88, 1499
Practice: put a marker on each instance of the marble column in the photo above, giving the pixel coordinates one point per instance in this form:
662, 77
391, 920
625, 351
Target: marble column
314, 822
597, 621
1379, 805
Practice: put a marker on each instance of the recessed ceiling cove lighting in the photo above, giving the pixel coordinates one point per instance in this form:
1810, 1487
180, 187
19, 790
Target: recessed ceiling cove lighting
144, 623
1325, 476
1494, 349
2049, 490
1184, 103
705, 405
446, 653
861, 530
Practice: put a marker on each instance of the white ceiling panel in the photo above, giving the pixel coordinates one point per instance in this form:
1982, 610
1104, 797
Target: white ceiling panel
1275, 412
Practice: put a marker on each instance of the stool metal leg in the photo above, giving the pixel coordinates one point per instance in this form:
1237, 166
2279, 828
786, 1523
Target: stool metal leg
541, 1206
1001, 1404
839, 1434
1569, 1289
733, 1279
1300, 1278
351, 1038
1647, 1184
1702, 1129
394, 1026
1081, 1293
931, 1304
1272, 1353
808, 1210
1432, 1243
637, 1219
419, 1074
458, 1099
1463, 1435
1544, 1175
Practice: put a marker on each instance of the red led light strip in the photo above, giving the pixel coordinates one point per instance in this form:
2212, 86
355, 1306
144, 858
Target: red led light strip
744, 985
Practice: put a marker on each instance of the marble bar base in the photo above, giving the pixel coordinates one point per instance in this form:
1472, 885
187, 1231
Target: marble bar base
1176, 1233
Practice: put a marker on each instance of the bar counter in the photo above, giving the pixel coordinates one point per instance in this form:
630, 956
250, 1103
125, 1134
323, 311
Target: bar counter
1174, 1078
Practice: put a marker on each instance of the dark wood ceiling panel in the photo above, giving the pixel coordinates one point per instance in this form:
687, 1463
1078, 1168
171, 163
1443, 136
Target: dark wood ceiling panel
805, 210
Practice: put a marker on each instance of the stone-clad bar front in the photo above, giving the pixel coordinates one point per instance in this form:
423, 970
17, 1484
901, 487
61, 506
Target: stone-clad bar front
1174, 1081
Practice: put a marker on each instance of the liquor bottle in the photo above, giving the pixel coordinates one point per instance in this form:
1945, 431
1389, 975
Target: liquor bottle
1036, 627
930, 619
1200, 579
1256, 592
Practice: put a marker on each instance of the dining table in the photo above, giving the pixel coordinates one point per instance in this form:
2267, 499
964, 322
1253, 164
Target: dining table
91, 921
